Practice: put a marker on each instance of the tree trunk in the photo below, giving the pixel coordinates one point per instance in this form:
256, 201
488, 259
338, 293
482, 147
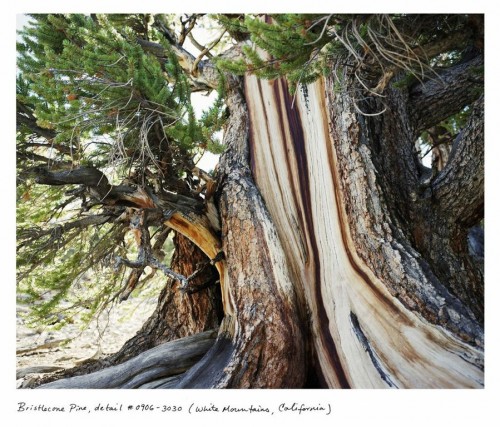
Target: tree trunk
340, 253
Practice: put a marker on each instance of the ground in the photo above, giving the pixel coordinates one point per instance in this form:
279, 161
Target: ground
38, 347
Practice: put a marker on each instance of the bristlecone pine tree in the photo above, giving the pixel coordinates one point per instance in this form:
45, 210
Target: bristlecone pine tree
322, 251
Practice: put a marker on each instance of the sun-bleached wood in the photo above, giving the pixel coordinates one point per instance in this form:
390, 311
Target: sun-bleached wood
159, 363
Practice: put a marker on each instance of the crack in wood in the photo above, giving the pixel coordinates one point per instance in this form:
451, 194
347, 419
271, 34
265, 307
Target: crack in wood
363, 339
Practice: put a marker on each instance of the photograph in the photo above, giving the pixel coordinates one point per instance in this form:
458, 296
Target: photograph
332, 239
287, 202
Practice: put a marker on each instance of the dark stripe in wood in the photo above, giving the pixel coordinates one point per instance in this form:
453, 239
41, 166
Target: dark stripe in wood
280, 89
269, 138
251, 136
252, 148
368, 348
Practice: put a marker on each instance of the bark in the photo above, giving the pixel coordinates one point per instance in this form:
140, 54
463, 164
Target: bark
260, 343
445, 94
464, 169
450, 205
177, 315
121, 195
261, 339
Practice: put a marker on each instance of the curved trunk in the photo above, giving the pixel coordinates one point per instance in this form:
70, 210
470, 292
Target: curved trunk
380, 314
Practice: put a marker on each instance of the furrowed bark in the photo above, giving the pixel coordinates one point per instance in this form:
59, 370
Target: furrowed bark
438, 98
260, 343
447, 208
388, 242
366, 290
458, 191
389, 141
333, 249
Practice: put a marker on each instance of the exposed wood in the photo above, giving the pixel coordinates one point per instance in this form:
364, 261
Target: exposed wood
390, 227
166, 360
181, 213
323, 250
170, 382
199, 230
296, 167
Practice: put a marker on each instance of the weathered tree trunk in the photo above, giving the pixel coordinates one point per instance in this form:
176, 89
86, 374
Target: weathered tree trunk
261, 341
340, 252
153, 368
380, 316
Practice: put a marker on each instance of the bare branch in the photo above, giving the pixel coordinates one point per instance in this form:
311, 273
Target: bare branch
36, 233
186, 30
206, 50
198, 45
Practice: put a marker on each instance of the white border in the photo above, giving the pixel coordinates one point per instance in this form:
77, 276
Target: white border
352, 407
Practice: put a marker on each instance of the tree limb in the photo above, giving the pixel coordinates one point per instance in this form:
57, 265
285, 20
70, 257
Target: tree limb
458, 190
135, 275
24, 116
434, 100
58, 147
146, 256
207, 50
89, 176
86, 221
202, 75
106, 193
26, 155
454, 40
186, 31
198, 45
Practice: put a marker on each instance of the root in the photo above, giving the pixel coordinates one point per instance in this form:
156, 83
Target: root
159, 367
